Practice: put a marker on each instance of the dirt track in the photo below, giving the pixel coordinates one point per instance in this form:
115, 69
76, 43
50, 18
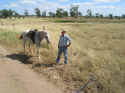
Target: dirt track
15, 77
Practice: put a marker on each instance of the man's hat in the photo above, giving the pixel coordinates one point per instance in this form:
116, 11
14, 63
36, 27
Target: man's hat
63, 31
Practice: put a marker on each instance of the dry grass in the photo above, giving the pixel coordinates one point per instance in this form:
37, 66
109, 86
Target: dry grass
97, 49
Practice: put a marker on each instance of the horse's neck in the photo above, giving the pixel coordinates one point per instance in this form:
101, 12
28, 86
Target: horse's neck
44, 33
41, 34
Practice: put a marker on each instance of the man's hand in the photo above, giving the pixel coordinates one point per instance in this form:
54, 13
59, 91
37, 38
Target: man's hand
68, 45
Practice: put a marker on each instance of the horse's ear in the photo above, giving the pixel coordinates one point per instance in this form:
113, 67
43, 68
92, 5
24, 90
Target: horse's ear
36, 30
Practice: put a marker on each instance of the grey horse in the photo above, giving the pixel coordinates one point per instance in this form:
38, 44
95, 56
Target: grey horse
34, 37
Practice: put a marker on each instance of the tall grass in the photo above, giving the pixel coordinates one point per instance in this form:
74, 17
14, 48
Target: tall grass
97, 50
9, 38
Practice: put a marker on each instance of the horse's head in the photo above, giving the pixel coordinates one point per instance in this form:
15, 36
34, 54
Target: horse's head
46, 36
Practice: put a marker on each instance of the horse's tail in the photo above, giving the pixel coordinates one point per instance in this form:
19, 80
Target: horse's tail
19, 37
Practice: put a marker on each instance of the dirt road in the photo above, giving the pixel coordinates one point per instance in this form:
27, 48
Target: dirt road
15, 77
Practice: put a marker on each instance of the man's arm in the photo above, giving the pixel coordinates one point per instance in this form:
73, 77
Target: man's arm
59, 42
69, 40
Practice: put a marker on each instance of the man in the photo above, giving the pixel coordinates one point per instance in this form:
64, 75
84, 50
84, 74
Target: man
64, 42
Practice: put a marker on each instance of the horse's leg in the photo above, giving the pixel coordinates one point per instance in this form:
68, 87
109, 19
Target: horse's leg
30, 48
33, 49
38, 40
24, 46
38, 50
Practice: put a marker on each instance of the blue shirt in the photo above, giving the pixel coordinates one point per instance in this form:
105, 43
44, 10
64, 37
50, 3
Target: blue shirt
64, 40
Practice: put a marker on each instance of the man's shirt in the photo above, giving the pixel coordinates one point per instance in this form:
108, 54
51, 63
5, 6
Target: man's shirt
64, 40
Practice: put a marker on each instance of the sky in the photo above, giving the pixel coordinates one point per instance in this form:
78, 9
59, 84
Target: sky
105, 7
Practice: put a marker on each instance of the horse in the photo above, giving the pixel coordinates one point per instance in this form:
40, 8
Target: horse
35, 37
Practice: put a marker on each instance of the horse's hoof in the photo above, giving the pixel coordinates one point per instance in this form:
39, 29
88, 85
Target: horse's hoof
39, 57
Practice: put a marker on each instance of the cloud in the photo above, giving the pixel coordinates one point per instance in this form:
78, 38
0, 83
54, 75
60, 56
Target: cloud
85, 4
13, 5
63, 0
98, 7
107, 0
108, 7
28, 1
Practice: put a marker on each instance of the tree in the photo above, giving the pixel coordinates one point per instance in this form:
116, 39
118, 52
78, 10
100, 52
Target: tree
44, 14
111, 16
26, 13
0, 14
80, 14
38, 12
65, 14
15, 14
97, 15
101, 15
10, 13
123, 16
117, 17
51, 14
89, 13
59, 12
74, 11
5, 13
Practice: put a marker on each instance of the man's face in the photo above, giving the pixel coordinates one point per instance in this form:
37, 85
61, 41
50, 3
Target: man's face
63, 33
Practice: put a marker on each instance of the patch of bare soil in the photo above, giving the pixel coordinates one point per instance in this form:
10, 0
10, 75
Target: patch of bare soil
16, 77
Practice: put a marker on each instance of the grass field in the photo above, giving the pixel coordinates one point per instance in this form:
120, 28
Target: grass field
98, 50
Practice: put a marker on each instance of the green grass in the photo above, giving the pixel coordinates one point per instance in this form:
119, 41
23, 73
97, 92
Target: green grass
86, 20
9, 38
68, 21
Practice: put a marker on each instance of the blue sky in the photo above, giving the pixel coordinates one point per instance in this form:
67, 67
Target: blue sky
116, 7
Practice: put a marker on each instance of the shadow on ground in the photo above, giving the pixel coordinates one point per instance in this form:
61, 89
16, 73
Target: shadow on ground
25, 59
20, 57
44, 65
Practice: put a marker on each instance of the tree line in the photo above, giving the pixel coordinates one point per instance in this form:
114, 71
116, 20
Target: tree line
8, 13
60, 12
